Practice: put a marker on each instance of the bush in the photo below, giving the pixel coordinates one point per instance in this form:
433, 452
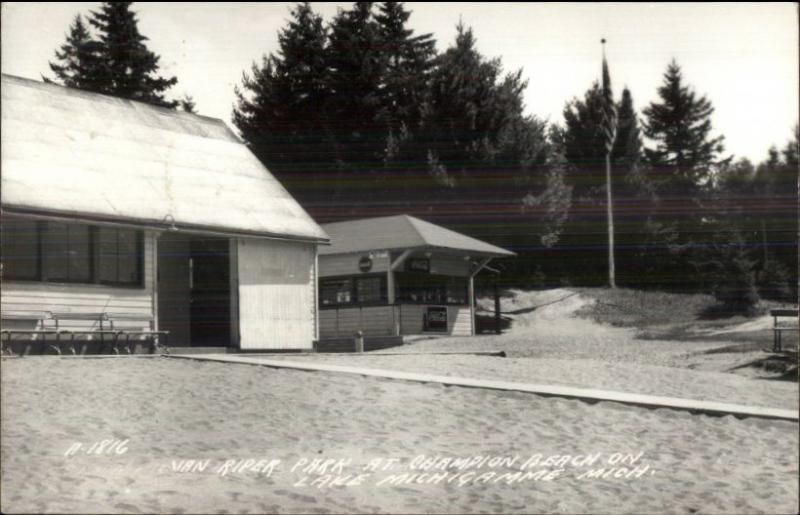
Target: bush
774, 281
733, 279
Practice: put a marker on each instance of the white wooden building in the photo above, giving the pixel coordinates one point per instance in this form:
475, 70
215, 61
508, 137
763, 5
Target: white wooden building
399, 275
120, 208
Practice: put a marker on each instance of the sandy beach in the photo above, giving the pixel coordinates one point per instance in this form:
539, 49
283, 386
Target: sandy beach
167, 410
160, 435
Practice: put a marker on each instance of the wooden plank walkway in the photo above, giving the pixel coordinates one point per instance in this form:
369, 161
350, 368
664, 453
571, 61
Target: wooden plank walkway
584, 394
493, 353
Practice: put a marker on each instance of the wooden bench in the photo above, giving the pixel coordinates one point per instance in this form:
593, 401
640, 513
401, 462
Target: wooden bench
778, 328
156, 336
35, 318
97, 318
103, 328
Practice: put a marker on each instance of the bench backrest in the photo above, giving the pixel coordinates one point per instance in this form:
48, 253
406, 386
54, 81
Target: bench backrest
784, 312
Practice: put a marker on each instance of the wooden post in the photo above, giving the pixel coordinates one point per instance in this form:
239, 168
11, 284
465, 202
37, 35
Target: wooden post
359, 341
472, 303
496, 309
389, 286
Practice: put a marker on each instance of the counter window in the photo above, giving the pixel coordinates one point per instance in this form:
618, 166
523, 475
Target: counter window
431, 289
352, 290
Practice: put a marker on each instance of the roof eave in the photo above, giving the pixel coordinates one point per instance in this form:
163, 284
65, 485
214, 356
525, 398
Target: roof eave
157, 225
448, 250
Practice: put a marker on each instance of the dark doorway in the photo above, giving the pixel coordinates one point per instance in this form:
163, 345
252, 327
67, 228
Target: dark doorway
210, 292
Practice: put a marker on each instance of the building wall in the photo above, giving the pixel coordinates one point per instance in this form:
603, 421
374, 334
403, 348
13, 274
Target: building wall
344, 322
23, 296
347, 264
385, 320
277, 292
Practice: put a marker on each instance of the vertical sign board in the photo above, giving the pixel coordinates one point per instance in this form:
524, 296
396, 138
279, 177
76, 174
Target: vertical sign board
436, 319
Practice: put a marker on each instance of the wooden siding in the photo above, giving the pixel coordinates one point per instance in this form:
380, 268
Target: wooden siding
23, 296
347, 264
276, 294
381, 321
344, 322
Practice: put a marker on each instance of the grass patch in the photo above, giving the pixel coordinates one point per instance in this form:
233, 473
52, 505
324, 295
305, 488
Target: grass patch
622, 307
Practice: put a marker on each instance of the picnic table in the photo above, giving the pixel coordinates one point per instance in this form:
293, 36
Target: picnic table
778, 328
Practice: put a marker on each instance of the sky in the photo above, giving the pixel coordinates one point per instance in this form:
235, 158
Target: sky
742, 56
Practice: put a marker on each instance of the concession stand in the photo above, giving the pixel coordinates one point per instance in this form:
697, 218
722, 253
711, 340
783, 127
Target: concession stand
399, 275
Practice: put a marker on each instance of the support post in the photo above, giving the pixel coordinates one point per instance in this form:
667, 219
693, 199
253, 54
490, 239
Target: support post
497, 328
472, 304
472, 275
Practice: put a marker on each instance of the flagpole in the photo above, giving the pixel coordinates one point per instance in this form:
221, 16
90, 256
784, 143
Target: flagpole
610, 215
612, 283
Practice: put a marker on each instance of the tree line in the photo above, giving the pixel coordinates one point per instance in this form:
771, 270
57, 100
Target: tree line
362, 117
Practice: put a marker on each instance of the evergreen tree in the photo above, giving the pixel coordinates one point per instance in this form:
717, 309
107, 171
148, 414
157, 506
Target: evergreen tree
187, 104
355, 71
681, 169
680, 125
584, 143
116, 62
584, 147
775, 196
280, 108
79, 65
471, 108
408, 61
129, 68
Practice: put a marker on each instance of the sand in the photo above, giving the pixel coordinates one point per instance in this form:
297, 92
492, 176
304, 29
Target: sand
177, 409
587, 373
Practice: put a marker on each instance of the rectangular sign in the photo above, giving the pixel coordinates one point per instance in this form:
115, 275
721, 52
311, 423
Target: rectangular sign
418, 265
436, 318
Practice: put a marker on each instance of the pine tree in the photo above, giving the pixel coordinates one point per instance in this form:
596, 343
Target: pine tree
129, 68
281, 106
355, 68
680, 124
584, 143
116, 62
408, 61
584, 146
471, 107
187, 104
79, 65
682, 164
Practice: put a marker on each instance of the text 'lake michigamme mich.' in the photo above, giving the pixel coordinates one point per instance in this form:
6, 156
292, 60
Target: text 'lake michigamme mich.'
397, 277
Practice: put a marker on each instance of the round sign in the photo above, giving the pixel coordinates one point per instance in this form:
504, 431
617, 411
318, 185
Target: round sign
365, 264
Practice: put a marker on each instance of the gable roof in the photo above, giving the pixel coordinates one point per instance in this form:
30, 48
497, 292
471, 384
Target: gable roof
72, 153
402, 232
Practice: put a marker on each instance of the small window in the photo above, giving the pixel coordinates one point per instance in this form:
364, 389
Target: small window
368, 289
20, 249
352, 290
336, 291
118, 256
66, 252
